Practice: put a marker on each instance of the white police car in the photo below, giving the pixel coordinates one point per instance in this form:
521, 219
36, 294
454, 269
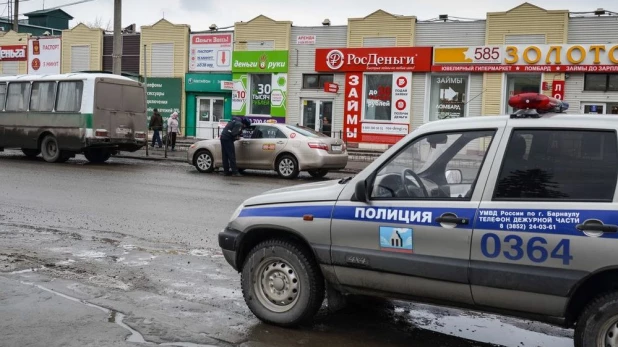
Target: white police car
509, 214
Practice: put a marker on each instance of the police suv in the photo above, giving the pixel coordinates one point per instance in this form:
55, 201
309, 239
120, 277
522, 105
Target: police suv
516, 215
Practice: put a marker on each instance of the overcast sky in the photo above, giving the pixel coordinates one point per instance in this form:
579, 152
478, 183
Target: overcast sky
200, 14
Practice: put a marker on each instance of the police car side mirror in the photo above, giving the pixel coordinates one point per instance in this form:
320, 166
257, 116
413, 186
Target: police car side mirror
360, 191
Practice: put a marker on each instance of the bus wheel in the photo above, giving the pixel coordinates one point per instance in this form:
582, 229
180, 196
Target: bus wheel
49, 149
97, 155
30, 153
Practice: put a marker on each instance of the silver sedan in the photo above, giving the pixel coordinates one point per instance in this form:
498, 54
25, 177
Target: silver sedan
287, 149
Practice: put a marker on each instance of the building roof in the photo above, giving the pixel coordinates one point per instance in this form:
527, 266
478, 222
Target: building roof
40, 13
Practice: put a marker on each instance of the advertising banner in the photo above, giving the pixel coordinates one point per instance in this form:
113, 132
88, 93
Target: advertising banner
527, 58
401, 95
353, 103
44, 56
373, 59
260, 97
165, 94
13, 53
260, 61
448, 96
211, 52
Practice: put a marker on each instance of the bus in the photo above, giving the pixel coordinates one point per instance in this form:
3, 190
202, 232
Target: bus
59, 116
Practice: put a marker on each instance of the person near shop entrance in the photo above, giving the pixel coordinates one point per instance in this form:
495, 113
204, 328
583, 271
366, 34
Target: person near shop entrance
173, 129
326, 126
156, 125
231, 132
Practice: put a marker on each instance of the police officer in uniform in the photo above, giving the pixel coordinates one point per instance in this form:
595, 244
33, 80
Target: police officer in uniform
231, 133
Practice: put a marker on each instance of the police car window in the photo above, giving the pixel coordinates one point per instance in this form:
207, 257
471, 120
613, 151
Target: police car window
565, 165
438, 166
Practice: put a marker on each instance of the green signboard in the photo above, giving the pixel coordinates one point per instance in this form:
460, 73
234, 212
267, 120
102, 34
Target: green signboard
164, 94
206, 83
260, 96
260, 61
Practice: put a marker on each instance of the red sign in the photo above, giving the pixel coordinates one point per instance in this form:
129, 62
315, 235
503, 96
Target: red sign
373, 59
557, 90
524, 68
353, 106
13, 53
211, 39
402, 82
400, 104
331, 87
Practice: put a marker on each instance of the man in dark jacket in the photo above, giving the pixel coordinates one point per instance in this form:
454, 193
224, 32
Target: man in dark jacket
231, 133
156, 125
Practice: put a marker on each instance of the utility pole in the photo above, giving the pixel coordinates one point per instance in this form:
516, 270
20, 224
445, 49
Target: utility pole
117, 53
16, 19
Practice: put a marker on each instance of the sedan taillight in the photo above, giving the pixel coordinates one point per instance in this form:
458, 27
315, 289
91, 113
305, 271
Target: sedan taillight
100, 133
318, 145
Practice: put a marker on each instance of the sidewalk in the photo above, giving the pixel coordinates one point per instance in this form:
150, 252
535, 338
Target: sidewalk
180, 156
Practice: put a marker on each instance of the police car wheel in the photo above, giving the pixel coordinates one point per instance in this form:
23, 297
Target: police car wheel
598, 324
203, 161
287, 167
282, 284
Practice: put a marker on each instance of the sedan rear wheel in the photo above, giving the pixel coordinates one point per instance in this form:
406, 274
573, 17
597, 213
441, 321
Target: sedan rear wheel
287, 167
318, 173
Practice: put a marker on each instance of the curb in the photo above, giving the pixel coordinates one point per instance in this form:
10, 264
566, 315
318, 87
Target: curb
179, 160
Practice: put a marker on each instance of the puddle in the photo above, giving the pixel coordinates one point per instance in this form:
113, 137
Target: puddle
27, 270
90, 254
117, 318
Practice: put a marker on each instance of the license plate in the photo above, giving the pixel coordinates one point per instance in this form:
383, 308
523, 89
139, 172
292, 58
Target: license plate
123, 131
336, 147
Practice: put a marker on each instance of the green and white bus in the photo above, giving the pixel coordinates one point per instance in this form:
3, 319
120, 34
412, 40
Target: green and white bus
59, 116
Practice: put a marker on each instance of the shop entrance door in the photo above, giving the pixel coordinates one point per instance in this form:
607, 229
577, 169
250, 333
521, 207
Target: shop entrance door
318, 115
593, 108
209, 113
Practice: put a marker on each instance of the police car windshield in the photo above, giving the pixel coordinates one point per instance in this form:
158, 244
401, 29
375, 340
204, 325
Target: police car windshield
308, 132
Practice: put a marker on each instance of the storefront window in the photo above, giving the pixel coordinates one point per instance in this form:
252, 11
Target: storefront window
261, 87
520, 83
378, 95
448, 96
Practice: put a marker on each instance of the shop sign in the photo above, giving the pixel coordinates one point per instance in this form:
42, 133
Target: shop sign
557, 90
353, 101
373, 59
448, 96
260, 61
306, 39
199, 82
210, 52
227, 85
13, 53
385, 128
331, 87
401, 94
44, 56
527, 58
165, 94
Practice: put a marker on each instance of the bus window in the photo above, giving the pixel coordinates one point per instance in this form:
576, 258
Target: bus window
133, 99
18, 97
108, 96
43, 96
69, 97
2, 95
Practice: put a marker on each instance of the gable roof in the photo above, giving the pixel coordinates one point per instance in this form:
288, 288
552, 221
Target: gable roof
41, 13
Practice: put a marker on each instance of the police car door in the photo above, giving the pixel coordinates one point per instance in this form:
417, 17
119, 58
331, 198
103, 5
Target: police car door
537, 232
413, 234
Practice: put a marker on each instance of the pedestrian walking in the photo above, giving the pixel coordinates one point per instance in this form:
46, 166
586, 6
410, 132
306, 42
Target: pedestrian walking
156, 125
231, 133
173, 129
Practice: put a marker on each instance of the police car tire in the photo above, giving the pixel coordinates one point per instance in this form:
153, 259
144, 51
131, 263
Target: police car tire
295, 170
312, 285
598, 313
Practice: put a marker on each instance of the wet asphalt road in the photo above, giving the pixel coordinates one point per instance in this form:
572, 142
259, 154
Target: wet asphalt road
126, 252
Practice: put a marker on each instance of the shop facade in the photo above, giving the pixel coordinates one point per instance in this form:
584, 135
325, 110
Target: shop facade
82, 49
315, 99
594, 92
377, 89
12, 45
166, 56
208, 85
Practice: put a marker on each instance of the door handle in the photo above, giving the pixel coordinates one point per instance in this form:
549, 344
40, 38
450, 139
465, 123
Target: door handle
280, 142
452, 219
602, 228
244, 143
